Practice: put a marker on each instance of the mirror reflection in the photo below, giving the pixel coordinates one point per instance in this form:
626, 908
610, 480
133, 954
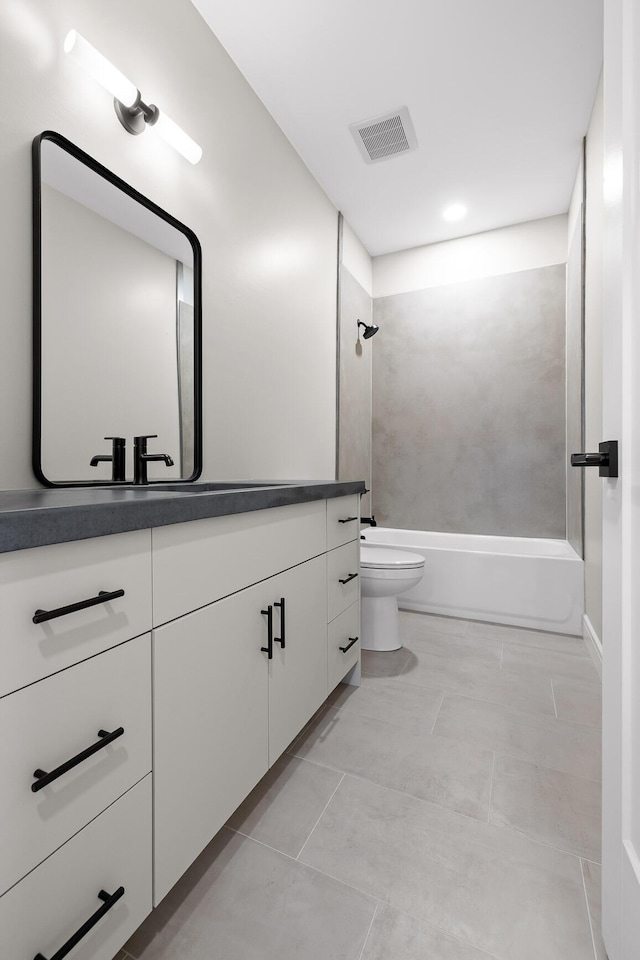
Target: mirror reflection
117, 328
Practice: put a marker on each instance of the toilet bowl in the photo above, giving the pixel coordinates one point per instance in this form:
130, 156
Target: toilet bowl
384, 574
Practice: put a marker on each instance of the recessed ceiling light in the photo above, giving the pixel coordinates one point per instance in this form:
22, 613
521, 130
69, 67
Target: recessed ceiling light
457, 211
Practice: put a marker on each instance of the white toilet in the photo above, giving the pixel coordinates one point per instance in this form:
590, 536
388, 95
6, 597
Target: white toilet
385, 573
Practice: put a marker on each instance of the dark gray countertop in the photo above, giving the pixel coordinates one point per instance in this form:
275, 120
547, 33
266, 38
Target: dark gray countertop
34, 518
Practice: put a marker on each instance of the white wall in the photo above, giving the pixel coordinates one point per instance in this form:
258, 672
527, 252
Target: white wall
524, 246
356, 259
267, 230
594, 269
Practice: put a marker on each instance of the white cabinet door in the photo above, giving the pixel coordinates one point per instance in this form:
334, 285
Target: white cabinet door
211, 724
298, 670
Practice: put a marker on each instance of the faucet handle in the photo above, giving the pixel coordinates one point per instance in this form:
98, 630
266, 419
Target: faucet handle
146, 436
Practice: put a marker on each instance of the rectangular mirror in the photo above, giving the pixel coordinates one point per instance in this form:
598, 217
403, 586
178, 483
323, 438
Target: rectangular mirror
117, 326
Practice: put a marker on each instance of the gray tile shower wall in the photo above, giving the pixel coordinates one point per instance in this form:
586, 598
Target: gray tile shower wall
469, 406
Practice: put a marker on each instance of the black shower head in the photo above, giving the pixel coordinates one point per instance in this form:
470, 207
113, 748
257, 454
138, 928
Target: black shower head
369, 331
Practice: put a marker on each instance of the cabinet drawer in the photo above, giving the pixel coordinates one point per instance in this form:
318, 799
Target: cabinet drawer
341, 632
42, 912
343, 520
56, 720
343, 587
201, 561
49, 578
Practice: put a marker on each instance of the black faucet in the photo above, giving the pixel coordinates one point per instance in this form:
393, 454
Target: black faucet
370, 520
141, 458
117, 459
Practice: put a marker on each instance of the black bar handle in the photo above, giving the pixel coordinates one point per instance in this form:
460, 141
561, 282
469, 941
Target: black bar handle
269, 647
587, 459
44, 778
280, 639
352, 640
606, 459
103, 597
109, 900
351, 576
348, 520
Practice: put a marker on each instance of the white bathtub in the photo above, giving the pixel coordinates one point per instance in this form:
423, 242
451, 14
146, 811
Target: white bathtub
516, 580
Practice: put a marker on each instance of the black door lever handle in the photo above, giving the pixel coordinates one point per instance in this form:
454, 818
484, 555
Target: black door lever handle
606, 459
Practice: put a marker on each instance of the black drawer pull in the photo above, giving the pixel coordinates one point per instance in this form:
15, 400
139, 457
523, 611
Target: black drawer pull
348, 520
351, 576
44, 779
280, 639
269, 647
103, 597
110, 899
352, 640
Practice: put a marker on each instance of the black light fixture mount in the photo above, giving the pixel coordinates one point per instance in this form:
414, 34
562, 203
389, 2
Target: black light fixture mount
369, 329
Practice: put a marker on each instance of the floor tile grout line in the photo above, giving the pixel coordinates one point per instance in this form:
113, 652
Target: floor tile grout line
321, 816
586, 898
553, 694
303, 863
372, 896
382, 786
364, 893
493, 770
524, 713
457, 813
438, 712
366, 939
388, 903
538, 763
468, 696
454, 936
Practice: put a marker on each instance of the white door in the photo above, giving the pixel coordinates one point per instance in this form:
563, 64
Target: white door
621, 508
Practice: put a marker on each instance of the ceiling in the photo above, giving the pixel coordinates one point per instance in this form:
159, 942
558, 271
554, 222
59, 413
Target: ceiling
500, 93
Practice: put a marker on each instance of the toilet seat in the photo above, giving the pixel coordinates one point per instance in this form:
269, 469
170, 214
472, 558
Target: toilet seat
384, 558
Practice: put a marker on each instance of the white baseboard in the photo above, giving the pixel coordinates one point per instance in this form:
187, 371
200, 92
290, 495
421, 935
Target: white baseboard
594, 645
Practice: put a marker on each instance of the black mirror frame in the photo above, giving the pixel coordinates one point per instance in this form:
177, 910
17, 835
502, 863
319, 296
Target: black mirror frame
102, 171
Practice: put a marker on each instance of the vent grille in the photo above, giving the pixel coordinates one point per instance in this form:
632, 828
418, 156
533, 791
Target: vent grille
383, 137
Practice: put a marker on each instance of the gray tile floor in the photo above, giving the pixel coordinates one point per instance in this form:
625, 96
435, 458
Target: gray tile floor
448, 809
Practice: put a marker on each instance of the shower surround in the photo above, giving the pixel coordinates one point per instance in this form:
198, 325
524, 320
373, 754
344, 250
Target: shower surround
469, 406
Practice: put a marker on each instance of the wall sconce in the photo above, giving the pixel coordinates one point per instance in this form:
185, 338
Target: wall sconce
132, 112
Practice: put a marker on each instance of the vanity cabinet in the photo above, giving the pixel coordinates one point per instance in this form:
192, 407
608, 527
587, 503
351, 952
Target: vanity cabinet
205, 646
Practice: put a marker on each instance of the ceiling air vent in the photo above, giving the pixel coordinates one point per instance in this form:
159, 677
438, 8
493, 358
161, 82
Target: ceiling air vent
381, 138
